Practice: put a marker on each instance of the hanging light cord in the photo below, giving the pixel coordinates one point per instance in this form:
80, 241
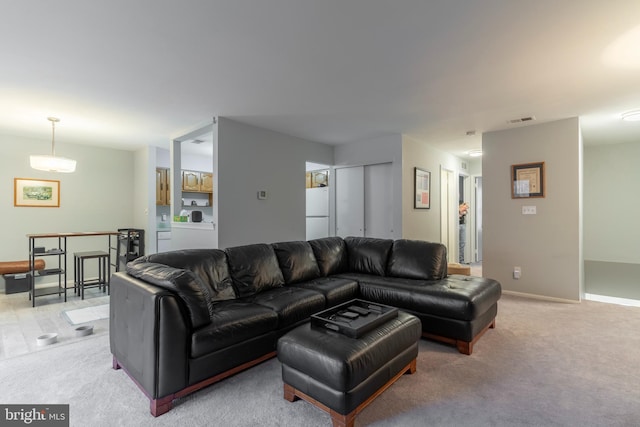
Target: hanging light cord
53, 121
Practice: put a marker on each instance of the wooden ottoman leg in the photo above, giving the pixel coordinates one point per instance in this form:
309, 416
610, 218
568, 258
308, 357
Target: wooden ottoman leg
290, 393
412, 367
340, 420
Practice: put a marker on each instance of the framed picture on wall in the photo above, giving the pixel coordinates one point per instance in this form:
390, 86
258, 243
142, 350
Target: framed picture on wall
40, 193
527, 180
320, 179
422, 185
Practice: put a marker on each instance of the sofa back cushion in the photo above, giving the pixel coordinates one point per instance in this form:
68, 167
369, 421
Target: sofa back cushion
331, 255
368, 255
209, 265
297, 262
414, 259
254, 269
195, 294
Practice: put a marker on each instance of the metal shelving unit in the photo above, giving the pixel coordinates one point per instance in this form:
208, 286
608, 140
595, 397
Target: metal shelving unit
130, 246
61, 252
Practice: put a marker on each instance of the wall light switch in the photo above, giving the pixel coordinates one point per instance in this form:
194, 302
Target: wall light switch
262, 195
528, 210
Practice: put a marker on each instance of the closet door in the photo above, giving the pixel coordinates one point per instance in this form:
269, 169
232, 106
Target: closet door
378, 201
350, 201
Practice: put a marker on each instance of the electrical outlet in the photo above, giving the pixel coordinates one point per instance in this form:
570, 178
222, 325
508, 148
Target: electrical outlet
516, 272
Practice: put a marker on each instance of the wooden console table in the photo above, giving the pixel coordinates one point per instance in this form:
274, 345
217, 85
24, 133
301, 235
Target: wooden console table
61, 252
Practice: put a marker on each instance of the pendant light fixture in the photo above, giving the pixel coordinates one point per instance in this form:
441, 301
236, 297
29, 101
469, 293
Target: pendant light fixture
52, 163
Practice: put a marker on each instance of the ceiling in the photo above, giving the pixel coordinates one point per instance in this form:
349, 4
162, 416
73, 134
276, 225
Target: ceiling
128, 73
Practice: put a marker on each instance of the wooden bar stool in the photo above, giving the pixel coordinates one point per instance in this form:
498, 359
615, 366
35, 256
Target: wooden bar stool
102, 281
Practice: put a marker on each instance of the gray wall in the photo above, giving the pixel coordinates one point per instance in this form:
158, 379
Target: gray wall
547, 246
253, 159
98, 196
612, 203
424, 224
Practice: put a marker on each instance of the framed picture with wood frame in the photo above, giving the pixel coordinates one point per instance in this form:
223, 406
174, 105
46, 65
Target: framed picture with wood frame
422, 186
528, 180
37, 193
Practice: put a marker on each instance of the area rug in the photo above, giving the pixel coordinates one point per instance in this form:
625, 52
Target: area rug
87, 314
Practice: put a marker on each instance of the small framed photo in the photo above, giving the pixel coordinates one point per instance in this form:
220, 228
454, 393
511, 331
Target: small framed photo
422, 185
320, 179
527, 180
39, 193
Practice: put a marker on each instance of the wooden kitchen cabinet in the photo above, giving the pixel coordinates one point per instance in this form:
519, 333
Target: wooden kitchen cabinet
197, 182
206, 182
163, 192
190, 181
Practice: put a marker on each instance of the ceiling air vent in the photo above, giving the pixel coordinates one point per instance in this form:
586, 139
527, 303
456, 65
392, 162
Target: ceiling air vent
521, 120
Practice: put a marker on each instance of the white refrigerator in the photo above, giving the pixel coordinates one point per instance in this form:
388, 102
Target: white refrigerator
317, 212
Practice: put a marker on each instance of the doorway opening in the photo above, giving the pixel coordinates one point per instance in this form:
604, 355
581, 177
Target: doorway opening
317, 200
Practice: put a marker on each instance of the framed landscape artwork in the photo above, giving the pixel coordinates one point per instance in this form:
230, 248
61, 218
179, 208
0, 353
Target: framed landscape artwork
43, 193
422, 183
527, 180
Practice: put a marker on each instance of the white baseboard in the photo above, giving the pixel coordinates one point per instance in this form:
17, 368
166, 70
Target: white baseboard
612, 300
540, 297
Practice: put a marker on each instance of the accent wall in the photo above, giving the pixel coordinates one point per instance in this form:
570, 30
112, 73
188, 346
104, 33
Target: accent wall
546, 246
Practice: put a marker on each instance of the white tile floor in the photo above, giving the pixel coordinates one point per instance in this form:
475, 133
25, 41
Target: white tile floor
21, 324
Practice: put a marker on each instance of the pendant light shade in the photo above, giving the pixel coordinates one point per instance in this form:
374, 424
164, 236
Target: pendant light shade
52, 163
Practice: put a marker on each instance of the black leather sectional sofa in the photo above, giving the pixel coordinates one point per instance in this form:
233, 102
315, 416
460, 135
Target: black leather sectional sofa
182, 320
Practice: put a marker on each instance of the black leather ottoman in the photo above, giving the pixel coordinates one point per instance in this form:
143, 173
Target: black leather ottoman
342, 375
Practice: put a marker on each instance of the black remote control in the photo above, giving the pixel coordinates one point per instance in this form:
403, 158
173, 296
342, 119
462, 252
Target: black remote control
375, 308
359, 310
348, 314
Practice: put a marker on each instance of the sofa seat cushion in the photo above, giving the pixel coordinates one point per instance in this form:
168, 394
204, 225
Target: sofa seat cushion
232, 322
336, 290
456, 297
291, 304
297, 261
415, 259
368, 255
331, 255
254, 269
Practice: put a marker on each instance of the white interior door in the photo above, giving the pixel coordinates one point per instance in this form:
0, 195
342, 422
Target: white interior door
378, 201
478, 222
350, 201
448, 227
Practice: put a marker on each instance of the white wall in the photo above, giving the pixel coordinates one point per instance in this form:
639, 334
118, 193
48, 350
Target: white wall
253, 159
144, 196
547, 246
611, 203
423, 224
98, 196
196, 162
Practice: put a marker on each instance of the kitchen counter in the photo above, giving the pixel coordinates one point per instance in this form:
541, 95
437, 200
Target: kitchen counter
193, 235
194, 225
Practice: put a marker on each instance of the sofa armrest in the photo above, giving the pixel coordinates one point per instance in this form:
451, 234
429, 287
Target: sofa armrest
149, 335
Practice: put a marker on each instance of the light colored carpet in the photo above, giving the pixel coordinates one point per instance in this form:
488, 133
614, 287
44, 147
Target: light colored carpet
87, 314
546, 364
